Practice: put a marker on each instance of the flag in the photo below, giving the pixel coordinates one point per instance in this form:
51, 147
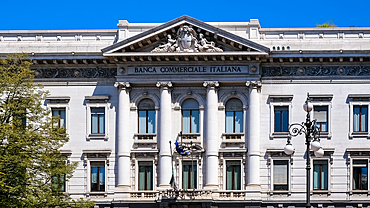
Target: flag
180, 150
172, 181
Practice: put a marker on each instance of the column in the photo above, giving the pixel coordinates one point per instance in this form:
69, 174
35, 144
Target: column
253, 183
123, 136
212, 144
164, 135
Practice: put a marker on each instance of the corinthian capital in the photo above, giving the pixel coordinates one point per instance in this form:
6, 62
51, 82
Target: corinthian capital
164, 84
122, 85
214, 84
254, 84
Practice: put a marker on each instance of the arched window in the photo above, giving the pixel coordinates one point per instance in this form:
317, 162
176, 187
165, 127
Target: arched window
146, 109
234, 116
190, 116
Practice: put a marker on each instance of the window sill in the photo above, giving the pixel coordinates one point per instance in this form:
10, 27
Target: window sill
359, 192
320, 192
325, 135
359, 135
97, 137
279, 135
97, 194
287, 192
232, 136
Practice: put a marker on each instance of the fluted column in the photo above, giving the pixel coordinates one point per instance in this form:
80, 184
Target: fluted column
254, 134
123, 136
212, 144
164, 135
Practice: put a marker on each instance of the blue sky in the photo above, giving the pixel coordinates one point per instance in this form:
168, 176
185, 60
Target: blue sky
93, 14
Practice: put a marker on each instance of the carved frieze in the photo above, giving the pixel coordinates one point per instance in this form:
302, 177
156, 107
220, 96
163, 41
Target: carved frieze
316, 71
75, 72
185, 40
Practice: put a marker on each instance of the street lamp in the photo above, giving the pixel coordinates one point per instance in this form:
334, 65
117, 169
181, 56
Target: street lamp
312, 133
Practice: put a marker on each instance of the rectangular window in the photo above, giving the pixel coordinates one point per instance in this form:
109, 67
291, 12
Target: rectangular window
281, 118
60, 114
145, 176
280, 175
233, 175
320, 175
359, 175
189, 175
190, 121
320, 113
146, 121
59, 183
97, 120
360, 118
97, 176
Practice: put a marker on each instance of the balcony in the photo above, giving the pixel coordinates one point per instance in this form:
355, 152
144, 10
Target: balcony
186, 138
145, 141
232, 195
233, 140
144, 195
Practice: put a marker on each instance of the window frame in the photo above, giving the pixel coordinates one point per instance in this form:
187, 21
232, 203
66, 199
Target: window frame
195, 163
367, 115
105, 175
234, 115
358, 100
65, 120
242, 173
278, 154
89, 134
147, 117
328, 174
279, 101
137, 170
98, 125
351, 175
60, 102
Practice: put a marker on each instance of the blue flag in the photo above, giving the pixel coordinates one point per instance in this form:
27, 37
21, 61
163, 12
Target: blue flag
180, 150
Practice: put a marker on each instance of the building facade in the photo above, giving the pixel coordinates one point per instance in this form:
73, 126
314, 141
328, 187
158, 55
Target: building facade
226, 92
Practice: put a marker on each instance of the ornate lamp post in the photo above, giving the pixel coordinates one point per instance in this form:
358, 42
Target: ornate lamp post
312, 133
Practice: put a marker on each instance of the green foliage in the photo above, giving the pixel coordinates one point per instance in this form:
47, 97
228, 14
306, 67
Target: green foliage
327, 24
29, 146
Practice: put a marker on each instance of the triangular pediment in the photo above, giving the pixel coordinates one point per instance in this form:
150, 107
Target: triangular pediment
169, 38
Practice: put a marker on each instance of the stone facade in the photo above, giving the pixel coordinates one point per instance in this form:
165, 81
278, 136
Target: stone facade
137, 82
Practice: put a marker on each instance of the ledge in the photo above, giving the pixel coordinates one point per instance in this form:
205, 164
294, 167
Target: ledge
279, 135
58, 99
97, 98
97, 137
352, 135
281, 98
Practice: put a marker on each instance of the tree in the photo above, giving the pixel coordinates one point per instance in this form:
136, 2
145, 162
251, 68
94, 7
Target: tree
327, 24
32, 168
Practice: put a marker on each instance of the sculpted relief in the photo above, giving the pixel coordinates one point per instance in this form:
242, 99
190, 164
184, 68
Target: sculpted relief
186, 41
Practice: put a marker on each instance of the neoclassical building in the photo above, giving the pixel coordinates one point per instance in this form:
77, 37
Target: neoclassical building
226, 92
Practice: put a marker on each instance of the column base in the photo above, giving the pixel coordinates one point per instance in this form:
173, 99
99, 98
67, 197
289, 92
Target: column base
122, 192
163, 187
253, 192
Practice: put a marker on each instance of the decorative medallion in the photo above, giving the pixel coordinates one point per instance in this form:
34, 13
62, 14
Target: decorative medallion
186, 41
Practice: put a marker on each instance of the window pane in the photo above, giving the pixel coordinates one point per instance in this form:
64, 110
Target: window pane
280, 174
101, 123
238, 122
190, 104
186, 121
234, 104
102, 178
151, 122
285, 120
141, 178
363, 118
277, 120
94, 123
229, 122
62, 118
356, 118
189, 175
142, 122
94, 178
324, 177
233, 175
237, 180
316, 176
149, 177
195, 121
360, 172
145, 176
320, 113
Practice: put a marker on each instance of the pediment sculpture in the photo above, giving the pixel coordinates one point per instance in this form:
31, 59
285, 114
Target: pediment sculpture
186, 41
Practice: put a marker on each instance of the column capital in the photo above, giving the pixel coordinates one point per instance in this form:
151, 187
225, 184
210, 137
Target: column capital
211, 84
164, 85
123, 85
254, 84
